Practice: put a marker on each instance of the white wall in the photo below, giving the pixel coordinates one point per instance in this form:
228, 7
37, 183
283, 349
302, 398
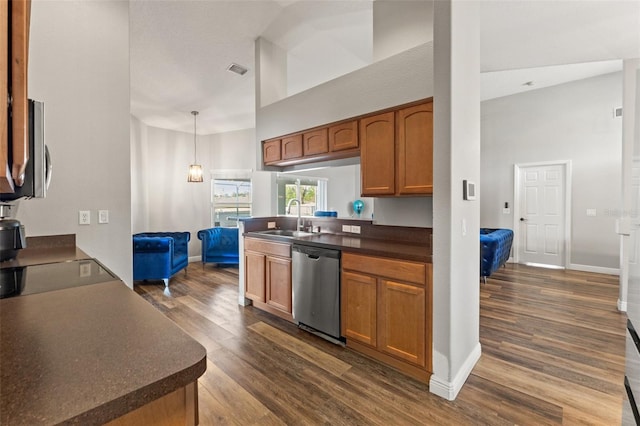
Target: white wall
572, 121
164, 200
160, 162
399, 25
79, 66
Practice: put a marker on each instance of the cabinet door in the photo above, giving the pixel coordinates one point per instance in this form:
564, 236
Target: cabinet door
377, 154
6, 181
414, 164
316, 142
292, 147
358, 307
278, 283
254, 276
401, 321
271, 151
343, 136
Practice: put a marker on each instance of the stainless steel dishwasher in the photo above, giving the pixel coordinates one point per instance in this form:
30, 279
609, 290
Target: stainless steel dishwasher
316, 289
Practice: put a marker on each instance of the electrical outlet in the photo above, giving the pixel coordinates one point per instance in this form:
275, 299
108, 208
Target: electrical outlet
271, 225
103, 216
355, 229
591, 212
346, 228
84, 217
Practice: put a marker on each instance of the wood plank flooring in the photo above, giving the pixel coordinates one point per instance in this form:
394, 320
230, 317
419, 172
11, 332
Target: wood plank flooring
552, 353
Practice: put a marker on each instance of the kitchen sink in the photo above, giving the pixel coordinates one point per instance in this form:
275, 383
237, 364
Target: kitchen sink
285, 233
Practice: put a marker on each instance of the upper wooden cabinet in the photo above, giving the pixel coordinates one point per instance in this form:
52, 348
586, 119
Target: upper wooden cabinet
15, 22
315, 142
396, 150
377, 154
272, 151
292, 147
343, 136
6, 182
414, 165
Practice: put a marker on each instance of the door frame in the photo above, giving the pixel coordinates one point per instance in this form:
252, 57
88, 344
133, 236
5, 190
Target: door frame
566, 164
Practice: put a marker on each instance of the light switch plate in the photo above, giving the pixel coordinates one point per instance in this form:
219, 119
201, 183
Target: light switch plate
103, 216
591, 212
355, 229
346, 228
506, 210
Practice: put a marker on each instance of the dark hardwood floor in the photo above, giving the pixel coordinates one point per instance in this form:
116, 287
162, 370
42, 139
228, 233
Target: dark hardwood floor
552, 353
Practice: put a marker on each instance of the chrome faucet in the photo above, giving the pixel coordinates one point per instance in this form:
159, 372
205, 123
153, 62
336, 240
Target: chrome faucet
291, 201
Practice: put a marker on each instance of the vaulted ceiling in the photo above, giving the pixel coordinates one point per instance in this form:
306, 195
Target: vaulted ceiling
180, 49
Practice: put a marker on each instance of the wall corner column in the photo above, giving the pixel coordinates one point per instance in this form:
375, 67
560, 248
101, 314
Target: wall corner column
456, 288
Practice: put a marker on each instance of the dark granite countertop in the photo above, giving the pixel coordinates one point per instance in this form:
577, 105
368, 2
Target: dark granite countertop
47, 249
361, 245
87, 355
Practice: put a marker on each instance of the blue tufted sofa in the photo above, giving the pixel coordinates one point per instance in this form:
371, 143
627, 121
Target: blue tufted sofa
159, 255
495, 247
220, 245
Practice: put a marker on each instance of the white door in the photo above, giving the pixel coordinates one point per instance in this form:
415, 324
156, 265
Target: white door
541, 227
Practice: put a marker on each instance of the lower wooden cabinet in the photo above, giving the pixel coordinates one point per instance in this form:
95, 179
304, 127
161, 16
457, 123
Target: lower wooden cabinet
401, 322
268, 276
278, 283
359, 307
386, 311
255, 278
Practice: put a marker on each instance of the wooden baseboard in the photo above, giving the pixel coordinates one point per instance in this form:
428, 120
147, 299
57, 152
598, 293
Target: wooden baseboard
419, 373
277, 312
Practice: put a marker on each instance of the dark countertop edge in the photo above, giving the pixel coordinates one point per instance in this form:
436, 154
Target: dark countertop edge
308, 241
140, 397
135, 398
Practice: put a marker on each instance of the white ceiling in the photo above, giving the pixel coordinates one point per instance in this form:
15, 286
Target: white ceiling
180, 50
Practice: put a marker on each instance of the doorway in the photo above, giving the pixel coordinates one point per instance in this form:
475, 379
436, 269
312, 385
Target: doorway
542, 211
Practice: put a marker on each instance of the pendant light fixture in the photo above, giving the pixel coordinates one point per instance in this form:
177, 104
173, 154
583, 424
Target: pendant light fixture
195, 169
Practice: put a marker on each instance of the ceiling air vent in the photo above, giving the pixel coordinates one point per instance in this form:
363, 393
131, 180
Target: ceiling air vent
238, 69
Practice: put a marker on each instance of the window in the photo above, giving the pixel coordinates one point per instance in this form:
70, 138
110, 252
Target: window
311, 191
230, 198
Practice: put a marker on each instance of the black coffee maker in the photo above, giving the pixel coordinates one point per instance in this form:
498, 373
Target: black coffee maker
12, 236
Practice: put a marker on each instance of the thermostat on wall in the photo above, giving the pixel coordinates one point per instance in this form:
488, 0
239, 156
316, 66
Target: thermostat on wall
468, 190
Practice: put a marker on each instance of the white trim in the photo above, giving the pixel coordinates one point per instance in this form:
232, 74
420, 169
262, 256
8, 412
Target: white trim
567, 205
622, 306
193, 259
449, 390
595, 269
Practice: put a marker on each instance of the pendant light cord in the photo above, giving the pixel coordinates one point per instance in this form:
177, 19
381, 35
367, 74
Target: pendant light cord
195, 150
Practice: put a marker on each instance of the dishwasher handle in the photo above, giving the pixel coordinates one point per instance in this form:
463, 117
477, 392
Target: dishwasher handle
315, 252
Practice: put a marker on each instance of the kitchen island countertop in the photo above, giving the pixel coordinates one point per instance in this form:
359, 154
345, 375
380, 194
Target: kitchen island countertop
87, 355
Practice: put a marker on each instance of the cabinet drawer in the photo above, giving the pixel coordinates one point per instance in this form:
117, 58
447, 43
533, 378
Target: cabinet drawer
412, 272
315, 142
271, 151
267, 247
343, 136
292, 147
